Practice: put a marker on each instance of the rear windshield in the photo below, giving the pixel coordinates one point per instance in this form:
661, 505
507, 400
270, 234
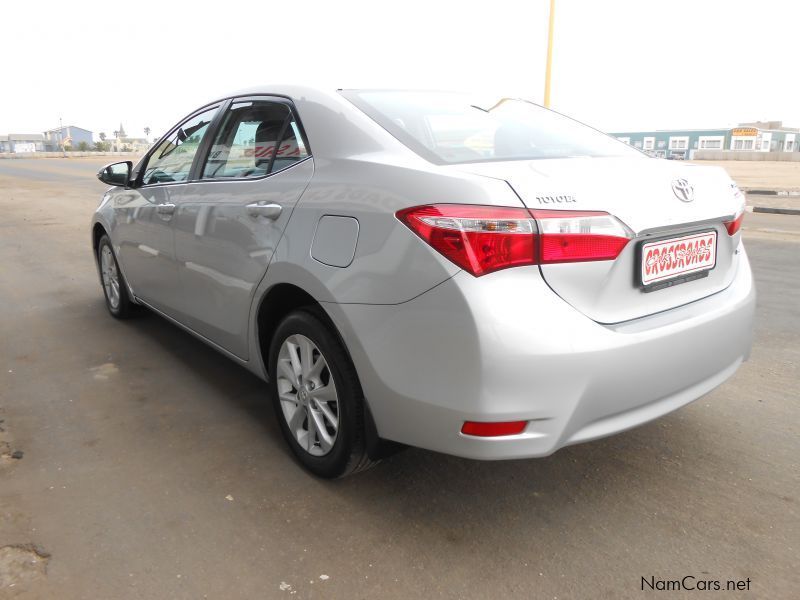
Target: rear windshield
452, 128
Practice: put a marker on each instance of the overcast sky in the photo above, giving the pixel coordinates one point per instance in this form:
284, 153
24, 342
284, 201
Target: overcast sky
618, 64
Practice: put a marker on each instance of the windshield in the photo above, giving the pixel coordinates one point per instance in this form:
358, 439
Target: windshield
451, 128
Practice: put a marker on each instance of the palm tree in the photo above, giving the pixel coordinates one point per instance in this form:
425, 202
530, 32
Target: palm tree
146, 132
102, 136
116, 134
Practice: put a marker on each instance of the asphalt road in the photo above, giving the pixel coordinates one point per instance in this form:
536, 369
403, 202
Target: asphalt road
152, 467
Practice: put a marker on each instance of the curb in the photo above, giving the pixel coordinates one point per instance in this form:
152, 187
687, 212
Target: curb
775, 211
771, 192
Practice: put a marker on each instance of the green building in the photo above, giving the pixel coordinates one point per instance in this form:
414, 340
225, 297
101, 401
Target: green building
769, 136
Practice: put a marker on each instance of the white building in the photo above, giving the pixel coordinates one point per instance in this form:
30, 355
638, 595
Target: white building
122, 143
22, 142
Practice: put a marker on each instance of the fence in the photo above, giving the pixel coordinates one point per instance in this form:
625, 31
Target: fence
740, 155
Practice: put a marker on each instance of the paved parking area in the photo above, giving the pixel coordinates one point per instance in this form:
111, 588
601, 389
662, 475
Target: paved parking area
152, 467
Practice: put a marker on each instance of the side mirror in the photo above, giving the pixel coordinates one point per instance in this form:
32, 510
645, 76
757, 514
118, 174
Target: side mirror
116, 173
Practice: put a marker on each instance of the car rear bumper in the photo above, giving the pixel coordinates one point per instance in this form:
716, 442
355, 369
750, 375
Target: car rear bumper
504, 347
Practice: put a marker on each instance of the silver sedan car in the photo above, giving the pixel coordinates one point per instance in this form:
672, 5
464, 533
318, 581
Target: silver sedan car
488, 280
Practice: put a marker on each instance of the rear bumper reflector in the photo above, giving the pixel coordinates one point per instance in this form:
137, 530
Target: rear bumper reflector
493, 429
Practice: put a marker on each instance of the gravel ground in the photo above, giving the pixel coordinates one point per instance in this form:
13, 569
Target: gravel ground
149, 466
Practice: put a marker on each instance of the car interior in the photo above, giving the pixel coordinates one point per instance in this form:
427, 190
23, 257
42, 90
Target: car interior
247, 144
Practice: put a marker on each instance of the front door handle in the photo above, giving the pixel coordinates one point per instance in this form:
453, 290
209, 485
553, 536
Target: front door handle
165, 209
270, 211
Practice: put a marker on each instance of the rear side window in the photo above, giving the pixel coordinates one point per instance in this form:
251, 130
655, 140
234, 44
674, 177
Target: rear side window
448, 128
172, 159
256, 138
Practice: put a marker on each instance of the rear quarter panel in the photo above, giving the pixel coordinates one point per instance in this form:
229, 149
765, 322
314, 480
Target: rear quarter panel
391, 264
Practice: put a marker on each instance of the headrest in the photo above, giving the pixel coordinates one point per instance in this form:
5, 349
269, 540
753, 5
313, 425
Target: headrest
268, 131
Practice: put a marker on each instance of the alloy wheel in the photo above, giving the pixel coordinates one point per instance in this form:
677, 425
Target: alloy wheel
110, 275
307, 394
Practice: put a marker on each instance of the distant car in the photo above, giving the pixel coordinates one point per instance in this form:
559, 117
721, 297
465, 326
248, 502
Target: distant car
491, 281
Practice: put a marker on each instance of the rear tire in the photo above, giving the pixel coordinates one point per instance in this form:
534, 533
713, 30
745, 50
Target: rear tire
115, 289
317, 397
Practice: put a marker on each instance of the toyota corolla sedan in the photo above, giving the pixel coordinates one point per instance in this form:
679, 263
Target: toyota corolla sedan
488, 280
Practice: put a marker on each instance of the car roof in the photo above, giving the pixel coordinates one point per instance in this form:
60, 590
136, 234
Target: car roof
335, 128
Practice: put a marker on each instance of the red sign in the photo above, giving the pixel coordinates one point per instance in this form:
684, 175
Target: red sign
264, 151
678, 256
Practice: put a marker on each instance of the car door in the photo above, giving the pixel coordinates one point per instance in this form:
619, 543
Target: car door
144, 213
228, 222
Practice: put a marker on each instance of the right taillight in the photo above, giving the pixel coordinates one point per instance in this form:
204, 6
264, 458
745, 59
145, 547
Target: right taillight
483, 239
735, 225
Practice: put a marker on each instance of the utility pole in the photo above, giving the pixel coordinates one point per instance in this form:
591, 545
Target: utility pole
61, 137
549, 55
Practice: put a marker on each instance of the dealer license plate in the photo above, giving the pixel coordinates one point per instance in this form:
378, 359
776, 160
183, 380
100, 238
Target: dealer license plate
678, 259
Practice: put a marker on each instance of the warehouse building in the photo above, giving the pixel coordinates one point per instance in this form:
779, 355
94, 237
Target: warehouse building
761, 136
49, 141
70, 135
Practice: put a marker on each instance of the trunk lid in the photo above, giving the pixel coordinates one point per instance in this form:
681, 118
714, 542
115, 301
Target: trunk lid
639, 192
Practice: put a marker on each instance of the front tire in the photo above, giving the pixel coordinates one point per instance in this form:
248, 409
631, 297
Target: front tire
115, 290
317, 397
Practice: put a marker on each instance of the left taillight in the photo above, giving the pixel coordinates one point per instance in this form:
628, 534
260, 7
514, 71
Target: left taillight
483, 239
479, 239
580, 236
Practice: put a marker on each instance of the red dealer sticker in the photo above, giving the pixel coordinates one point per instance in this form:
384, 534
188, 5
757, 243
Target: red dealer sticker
673, 258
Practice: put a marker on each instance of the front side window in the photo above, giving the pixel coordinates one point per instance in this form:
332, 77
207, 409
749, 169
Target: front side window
451, 128
256, 138
172, 159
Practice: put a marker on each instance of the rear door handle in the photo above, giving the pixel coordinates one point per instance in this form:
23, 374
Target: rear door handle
270, 211
165, 209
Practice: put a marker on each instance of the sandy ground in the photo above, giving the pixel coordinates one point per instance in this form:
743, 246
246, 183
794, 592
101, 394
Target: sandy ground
152, 467
768, 175
764, 175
